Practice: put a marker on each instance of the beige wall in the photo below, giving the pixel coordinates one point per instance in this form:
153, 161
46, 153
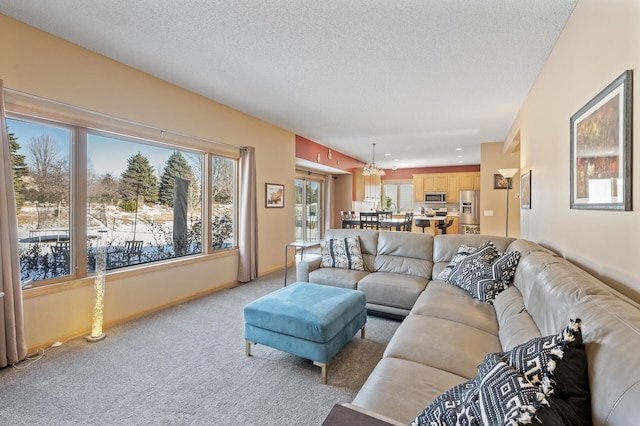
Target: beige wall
342, 200
39, 64
600, 41
493, 158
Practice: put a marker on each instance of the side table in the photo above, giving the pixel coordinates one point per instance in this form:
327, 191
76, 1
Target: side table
297, 245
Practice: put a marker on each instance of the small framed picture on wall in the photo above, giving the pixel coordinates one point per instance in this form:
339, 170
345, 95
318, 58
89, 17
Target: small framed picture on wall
274, 195
501, 182
525, 190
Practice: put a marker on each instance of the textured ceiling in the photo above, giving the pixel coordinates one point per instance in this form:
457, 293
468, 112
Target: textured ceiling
418, 77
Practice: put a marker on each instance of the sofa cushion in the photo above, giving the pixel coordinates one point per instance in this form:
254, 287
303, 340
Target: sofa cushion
443, 344
395, 290
519, 329
400, 389
342, 253
449, 302
511, 387
404, 253
345, 278
516, 325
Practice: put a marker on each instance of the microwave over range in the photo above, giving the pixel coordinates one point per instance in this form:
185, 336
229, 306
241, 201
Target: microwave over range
435, 197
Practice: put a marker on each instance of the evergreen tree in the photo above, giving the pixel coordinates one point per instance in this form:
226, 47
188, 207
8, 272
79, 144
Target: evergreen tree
19, 169
176, 166
138, 180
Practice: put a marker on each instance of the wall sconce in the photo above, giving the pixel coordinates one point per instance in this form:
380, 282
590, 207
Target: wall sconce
98, 288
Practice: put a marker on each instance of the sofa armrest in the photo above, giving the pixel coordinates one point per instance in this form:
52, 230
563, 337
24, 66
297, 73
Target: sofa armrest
304, 267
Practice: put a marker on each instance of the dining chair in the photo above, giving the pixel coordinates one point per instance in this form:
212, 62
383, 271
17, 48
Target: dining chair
133, 248
347, 215
384, 216
408, 222
369, 220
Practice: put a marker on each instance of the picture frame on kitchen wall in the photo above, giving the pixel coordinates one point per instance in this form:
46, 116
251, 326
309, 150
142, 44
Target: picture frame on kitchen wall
525, 190
601, 149
274, 195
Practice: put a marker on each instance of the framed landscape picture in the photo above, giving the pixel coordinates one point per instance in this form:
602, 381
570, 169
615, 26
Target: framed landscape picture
501, 182
274, 195
525, 190
601, 149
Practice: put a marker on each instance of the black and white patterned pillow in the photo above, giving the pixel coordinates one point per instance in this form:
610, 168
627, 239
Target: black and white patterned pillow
498, 395
538, 357
484, 281
342, 253
463, 251
486, 253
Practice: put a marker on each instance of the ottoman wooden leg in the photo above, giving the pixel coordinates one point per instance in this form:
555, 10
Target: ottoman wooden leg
323, 366
247, 346
362, 332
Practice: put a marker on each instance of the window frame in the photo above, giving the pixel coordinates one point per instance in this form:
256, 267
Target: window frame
397, 183
80, 129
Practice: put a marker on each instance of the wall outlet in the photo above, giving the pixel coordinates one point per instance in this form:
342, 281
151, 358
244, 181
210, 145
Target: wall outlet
488, 212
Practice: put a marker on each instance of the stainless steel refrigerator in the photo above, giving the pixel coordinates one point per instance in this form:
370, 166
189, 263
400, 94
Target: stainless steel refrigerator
469, 212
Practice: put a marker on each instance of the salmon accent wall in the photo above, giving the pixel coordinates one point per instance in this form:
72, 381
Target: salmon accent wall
308, 150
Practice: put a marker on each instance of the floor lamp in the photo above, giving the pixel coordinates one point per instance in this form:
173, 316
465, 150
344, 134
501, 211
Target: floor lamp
507, 174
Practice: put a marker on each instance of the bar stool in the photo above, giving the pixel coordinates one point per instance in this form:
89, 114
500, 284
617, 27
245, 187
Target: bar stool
442, 226
423, 223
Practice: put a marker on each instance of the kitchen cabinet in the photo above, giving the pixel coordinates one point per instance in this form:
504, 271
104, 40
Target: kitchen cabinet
429, 183
453, 192
442, 182
451, 183
418, 188
465, 181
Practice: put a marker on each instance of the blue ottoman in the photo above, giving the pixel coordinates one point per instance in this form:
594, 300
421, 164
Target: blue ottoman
311, 321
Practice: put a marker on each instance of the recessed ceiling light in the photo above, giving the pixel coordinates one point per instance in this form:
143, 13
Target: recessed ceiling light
387, 154
460, 156
458, 149
460, 162
396, 160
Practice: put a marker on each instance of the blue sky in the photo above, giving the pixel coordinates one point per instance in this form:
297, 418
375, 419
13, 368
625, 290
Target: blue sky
106, 155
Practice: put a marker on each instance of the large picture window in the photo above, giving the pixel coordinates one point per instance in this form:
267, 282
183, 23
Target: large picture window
147, 195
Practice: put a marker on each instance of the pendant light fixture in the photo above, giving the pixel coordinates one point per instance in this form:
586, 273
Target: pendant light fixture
372, 169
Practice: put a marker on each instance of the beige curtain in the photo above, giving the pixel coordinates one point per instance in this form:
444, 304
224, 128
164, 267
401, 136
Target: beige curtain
328, 203
248, 217
13, 346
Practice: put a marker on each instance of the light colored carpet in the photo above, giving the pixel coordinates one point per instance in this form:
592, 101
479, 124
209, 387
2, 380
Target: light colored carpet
186, 365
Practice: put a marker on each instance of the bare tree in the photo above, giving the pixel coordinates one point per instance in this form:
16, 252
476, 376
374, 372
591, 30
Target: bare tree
48, 169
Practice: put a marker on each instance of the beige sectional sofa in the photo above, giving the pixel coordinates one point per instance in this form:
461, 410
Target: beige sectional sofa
446, 333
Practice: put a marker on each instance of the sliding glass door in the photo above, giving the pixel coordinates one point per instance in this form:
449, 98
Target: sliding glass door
309, 209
